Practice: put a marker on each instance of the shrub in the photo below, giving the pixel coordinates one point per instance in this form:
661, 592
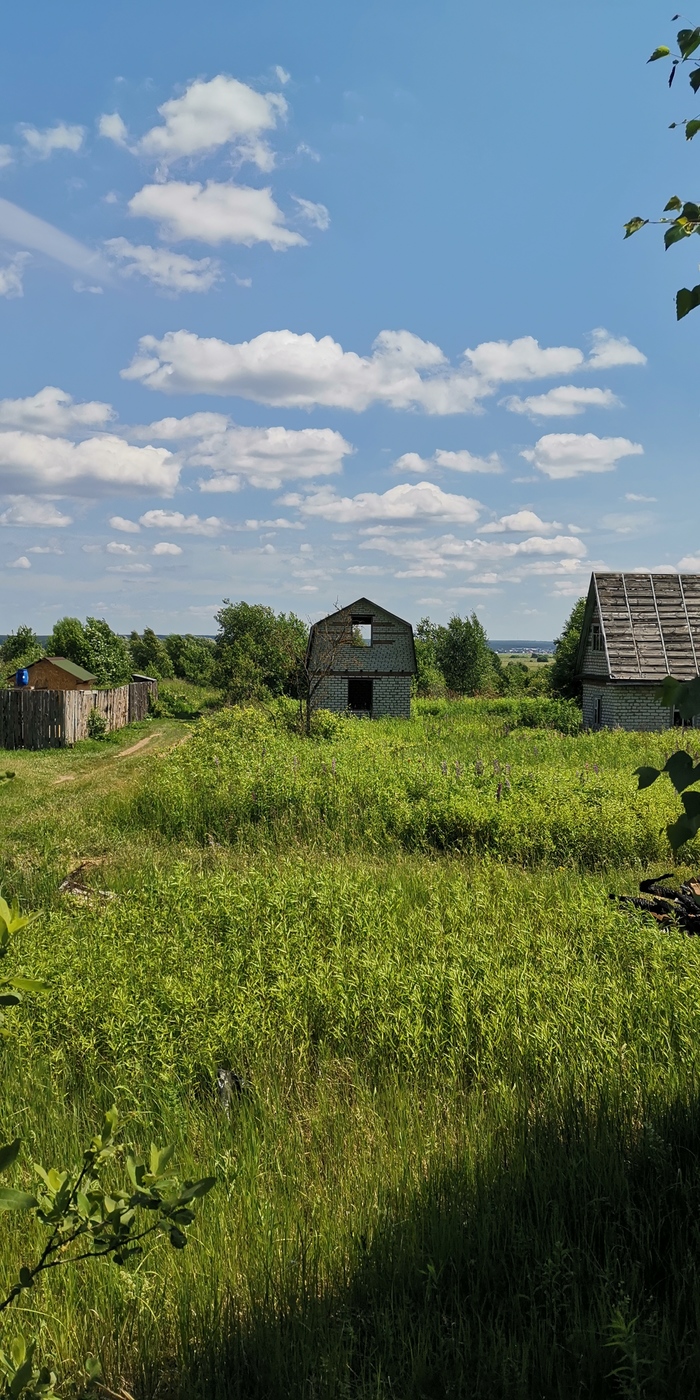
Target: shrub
96, 725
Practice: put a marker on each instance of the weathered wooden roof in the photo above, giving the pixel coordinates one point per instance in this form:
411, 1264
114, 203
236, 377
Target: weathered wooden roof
650, 625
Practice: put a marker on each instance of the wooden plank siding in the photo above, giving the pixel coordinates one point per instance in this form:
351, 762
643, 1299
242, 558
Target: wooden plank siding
44, 719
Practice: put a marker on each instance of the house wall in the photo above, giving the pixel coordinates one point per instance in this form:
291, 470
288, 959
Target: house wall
43, 675
626, 707
391, 695
595, 662
391, 649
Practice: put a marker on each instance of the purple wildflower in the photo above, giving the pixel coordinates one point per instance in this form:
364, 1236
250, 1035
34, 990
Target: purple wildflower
499, 790
443, 766
496, 766
478, 767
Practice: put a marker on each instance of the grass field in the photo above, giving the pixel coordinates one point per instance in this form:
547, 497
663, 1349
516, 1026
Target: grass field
466, 1160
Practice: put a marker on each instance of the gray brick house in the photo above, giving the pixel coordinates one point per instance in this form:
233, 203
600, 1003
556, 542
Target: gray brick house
637, 629
362, 659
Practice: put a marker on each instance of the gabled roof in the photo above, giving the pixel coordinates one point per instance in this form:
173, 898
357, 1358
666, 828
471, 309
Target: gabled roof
363, 605
78, 672
650, 625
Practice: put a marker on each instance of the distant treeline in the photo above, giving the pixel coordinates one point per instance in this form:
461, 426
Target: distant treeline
257, 653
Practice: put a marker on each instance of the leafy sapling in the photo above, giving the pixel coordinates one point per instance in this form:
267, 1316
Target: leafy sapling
683, 696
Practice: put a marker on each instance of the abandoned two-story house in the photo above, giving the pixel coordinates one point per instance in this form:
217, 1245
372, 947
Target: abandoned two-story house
637, 629
362, 659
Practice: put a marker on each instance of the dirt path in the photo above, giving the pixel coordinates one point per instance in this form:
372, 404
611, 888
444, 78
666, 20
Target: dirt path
141, 744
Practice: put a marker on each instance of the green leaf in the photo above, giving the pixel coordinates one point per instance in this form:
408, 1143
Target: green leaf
688, 41
9, 998
681, 771
16, 1200
28, 984
691, 129
178, 1240
686, 300
93, 1368
21, 1379
193, 1190
674, 203
695, 79
673, 234
646, 776
18, 1351
690, 212
661, 52
684, 695
634, 225
8, 1154
688, 824
25, 1277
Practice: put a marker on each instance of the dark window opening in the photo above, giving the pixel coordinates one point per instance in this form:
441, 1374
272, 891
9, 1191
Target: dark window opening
678, 721
360, 695
596, 637
598, 710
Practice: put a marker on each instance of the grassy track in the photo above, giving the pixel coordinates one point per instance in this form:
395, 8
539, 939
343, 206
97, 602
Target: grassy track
467, 1158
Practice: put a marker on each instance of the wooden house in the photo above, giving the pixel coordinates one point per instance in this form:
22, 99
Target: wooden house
55, 673
362, 659
637, 629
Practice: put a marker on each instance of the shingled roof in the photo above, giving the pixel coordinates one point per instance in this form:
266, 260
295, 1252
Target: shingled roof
650, 625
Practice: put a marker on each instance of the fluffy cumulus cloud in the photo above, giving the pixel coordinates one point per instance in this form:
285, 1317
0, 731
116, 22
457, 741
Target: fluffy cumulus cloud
56, 464
113, 128
265, 457
174, 272
521, 521
610, 351
31, 510
424, 501
22, 563
563, 455
287, 370
60, 137
461, 461
12, 275
436, 557
164, 547
566, 401
221, 112
175, 520
215, 213
53, 411
119, 522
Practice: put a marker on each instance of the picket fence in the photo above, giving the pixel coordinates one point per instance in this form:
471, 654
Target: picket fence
51, 719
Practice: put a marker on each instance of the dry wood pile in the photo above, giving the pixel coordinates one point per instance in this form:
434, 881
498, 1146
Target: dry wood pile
667, 904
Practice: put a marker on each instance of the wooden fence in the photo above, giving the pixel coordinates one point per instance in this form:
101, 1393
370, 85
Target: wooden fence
51, 719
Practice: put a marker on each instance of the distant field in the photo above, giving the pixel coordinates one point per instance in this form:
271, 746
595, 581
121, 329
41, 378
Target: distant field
466, 1158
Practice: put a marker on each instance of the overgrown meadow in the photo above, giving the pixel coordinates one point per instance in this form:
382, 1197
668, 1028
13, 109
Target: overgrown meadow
465, 1155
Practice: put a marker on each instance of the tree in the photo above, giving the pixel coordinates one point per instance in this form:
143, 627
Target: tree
192, 657
429, 678
687, 213
464, 656
20, 648
563, 678
150, 655
95, 647
257, 652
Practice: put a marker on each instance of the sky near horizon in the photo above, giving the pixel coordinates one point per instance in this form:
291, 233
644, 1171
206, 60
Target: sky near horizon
303, 303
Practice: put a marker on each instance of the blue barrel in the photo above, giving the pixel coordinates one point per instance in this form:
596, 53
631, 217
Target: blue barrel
22, 677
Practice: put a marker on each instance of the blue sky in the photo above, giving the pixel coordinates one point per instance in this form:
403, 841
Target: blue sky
305, 302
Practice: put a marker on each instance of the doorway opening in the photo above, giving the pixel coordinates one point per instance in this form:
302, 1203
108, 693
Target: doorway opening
360, 695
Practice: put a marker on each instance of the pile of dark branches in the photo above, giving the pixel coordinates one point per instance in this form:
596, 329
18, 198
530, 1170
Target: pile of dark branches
668, 904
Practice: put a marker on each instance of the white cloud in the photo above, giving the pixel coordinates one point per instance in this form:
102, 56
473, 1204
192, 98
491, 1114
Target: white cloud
22, 563
18, 226
116, 547
563, 455
632, 496
217, 113
690, 563
265, 457
462, 461
282, 75
129, 569
522, 520
499, 361
7, 156
44, 549
215, 213
27, 510
315, 214
174, 272
55, 463
175, 520
53, 411
610, 351
194, 425
566, 401
424, 501
11, 276
56, 138
163, 547
297, 371
435, 557
626, 524
111, 125
118, 522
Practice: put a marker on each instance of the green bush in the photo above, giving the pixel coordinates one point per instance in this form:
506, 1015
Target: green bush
96, 725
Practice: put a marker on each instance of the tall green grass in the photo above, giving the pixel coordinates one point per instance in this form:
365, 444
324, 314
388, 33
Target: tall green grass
464, 778
466, 1156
